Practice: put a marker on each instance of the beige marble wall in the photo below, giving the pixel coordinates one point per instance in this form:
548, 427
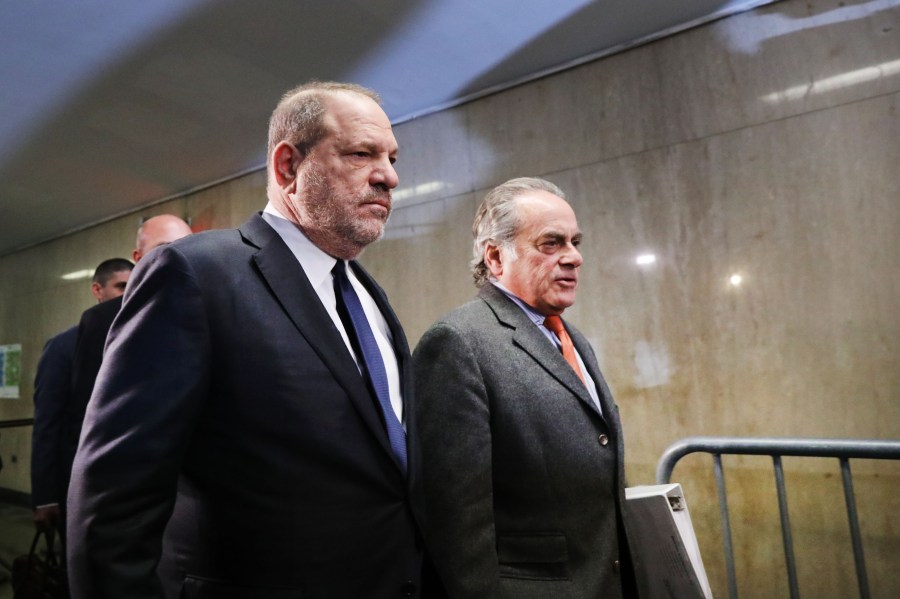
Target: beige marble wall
765, 145
703, 150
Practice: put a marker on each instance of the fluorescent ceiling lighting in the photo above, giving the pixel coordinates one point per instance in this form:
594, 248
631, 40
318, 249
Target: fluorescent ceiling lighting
418, 190
78, 274
829, 84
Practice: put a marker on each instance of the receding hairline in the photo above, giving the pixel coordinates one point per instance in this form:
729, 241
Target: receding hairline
530, 199
327, 88
303, 108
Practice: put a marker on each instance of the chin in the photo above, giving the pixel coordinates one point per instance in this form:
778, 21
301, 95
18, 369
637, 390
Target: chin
561, 306
369, 236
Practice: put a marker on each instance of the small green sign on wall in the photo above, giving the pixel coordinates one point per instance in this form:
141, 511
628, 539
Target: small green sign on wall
10, 370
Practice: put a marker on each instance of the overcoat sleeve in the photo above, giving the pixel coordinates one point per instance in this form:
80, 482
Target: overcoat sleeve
453, 416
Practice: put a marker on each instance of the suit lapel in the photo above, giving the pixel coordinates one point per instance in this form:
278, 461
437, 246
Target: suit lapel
535, 344
609, 407
291, 288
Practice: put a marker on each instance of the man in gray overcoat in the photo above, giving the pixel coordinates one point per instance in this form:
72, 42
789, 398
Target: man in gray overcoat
520, 435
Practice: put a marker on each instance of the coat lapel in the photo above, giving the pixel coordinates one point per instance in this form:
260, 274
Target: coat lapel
291, 288
610, 410
532, 341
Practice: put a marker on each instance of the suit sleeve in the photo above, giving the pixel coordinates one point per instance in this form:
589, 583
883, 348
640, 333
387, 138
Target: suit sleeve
453, 417
52, 385
137, 426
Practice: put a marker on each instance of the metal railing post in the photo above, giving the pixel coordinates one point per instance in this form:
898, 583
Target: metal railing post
786, 537
726, 526
855, 536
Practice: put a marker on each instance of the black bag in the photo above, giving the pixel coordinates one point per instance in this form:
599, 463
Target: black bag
37, 577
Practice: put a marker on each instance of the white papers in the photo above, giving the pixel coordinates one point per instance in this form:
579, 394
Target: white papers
664, 549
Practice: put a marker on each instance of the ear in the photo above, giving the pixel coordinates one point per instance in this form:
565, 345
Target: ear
95, 290
136, 255
493, 258
286, 160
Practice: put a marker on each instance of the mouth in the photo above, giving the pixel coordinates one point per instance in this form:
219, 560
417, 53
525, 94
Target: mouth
378, 210
568, 282
380, 200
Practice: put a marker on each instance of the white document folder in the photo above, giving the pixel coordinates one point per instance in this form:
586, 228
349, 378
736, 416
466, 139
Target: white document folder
667, 562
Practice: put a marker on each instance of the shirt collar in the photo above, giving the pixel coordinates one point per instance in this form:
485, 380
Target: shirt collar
316, 264
535, 316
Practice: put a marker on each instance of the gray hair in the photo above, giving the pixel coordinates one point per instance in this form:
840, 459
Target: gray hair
498, 220
299, 116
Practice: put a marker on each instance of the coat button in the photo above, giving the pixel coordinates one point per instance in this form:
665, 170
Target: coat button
604, 440
408, 589
616, 565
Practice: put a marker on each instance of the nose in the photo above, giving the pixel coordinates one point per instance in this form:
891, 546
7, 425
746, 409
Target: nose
571, 256
384, 174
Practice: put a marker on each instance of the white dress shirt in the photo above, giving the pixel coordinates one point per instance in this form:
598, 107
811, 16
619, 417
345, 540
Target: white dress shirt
317, 265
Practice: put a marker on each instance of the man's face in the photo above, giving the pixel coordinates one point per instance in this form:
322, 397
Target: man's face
544, 271
114, 287
343, 197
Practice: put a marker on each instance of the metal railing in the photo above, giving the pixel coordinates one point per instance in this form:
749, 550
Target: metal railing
842, 449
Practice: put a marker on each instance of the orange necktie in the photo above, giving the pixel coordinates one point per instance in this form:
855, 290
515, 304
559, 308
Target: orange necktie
555, 324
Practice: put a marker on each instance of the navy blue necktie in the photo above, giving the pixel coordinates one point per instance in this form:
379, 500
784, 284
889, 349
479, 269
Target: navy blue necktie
363, 341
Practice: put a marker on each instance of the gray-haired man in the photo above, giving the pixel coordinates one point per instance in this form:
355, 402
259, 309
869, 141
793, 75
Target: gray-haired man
522, 441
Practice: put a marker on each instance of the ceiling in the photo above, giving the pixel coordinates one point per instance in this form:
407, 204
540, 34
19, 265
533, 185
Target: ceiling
108, 106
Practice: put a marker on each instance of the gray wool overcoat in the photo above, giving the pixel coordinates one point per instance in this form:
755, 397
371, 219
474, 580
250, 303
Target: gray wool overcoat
523, 477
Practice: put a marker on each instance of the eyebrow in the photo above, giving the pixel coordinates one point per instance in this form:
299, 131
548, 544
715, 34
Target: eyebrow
551, 235
369, 145
558, 236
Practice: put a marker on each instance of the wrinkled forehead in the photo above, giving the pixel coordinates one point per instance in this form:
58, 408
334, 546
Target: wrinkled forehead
351, 114
345, 109
541, 210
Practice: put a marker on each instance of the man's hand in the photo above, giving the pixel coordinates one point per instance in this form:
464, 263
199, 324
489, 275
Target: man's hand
47, 517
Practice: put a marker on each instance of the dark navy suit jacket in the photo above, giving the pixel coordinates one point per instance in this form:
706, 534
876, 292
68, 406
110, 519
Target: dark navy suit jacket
52, 397
88, 355
228, 401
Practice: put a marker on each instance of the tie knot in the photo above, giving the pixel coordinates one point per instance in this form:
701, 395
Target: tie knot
554, 323
340, 269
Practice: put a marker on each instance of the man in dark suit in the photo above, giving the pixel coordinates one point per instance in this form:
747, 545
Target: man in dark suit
255, 388
524, 484
50, 459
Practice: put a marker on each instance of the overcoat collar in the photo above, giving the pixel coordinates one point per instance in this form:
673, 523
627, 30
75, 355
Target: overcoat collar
527, 336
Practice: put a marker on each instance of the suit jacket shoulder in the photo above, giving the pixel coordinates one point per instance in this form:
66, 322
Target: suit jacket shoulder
91, 339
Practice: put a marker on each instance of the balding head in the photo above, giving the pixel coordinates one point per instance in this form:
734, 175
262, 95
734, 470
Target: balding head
158, 231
